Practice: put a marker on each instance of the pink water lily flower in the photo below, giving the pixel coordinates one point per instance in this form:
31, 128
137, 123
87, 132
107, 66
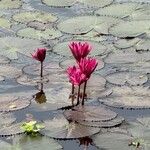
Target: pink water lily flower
80, 50
76, 77
87, 66
40, 54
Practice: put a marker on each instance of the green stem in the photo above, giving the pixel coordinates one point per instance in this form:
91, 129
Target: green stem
84, 92
78, 95
41, 70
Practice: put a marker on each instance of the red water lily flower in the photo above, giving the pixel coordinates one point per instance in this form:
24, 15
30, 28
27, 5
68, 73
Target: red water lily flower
40, 54
76, 76
87, 66
80, 50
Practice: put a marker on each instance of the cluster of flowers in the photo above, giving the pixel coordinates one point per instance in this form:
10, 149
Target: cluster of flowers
81, 72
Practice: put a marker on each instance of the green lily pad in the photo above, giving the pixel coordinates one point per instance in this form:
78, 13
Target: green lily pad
90, 114
35, 143
131, 78
60, 128
143, 45
84, 24
4, 60
130, 28
128, 97
38, 34
4, 23
12, 103
10, 4
119, 10
11, 45
123, 43
63, 48
57, 3
25, 17
9, 71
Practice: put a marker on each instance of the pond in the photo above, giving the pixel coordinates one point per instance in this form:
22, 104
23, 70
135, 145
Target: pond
37, 111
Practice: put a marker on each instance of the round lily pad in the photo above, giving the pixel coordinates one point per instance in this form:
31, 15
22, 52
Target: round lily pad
10, 4
4, 60
63, 48
126, 57
131, 78
70, 62
12, 129
38, 34
34, 69
25, 17
60, 128
57, 3
9, 71
123, 43
96, 3
104, 124
35, 143
4, 23
12, 103
113, 141
143, 45
90, 113
85, 24
119, 10
128, 97
32, 81
130, 28
11, 45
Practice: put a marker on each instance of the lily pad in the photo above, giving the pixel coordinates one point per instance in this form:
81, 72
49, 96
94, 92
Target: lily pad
9, 71
38, 34
35, 143
70, 62
34, 69
12, 103
128, 98
63, 48
4, 60
25, 17
58, 3
60, 128
2, 78
123, 43
131, 78
4, 23
143, 45
11, 45
90, 114
10, 130
119, 10
104, 124
84, 24
130, 28
10, 4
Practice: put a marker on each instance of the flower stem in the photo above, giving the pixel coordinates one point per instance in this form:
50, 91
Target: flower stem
84, 91
78, 95
41, 70
72, 94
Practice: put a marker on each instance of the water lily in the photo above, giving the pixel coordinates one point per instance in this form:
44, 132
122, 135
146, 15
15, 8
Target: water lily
76, 77
40, 55
80, 50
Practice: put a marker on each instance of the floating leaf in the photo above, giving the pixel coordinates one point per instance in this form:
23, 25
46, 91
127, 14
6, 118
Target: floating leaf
10, 4
9, 71
11, 45
143, 45
90, 113
25, 17
38, 34
4, 23
131, 78
85, 24
2, 78
35, 143
63, 48
128, 97
119, 10
60, 128
4, 60
130, 28
12, 103
58, 3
